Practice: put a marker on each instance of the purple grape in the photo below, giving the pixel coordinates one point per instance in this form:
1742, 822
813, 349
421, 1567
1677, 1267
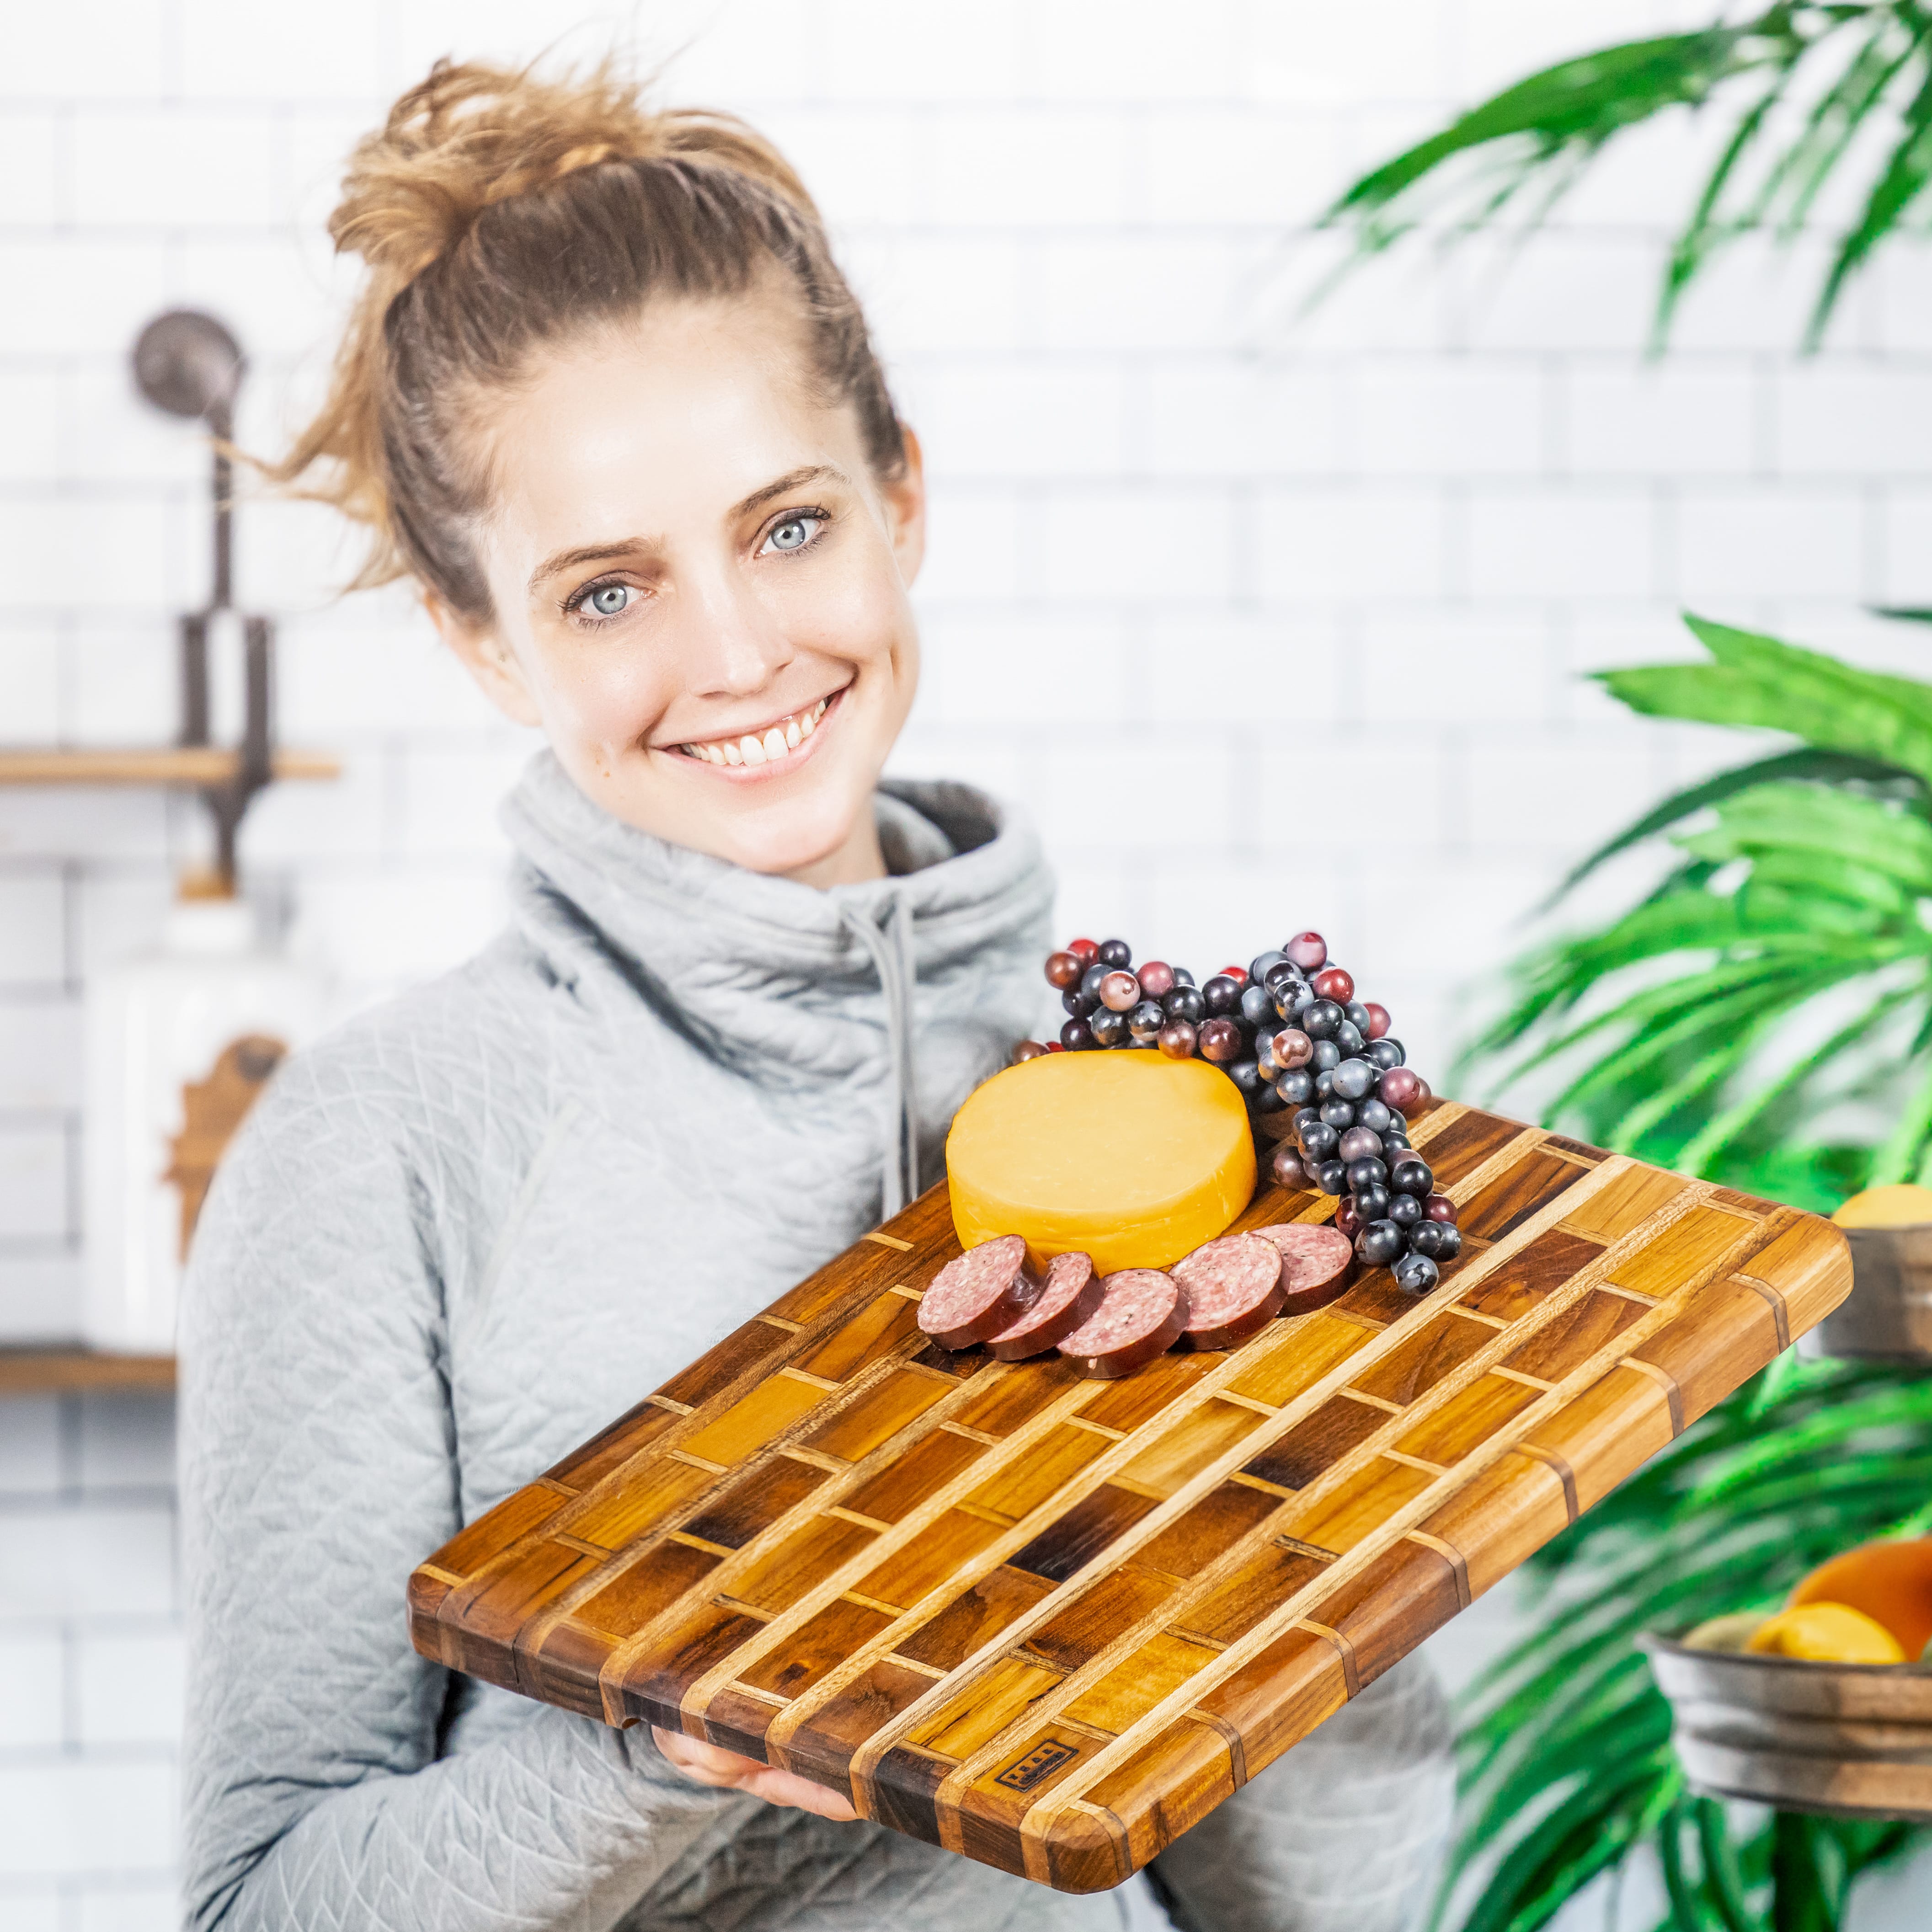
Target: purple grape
1411, 1175
1293, 1047
1220, 1040
1220, 995
1308, 950
1415, 1274
1322, 1018
1177, 1040
1379, 1243
1288, 1170
1355, 1080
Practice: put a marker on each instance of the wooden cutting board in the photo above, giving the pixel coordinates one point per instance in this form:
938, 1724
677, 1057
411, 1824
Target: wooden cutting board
1049, 1623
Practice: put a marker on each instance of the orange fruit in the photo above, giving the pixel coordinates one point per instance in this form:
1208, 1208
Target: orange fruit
1826, 1633
1891, 1582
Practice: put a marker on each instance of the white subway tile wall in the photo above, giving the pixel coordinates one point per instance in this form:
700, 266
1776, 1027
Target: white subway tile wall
1270, 618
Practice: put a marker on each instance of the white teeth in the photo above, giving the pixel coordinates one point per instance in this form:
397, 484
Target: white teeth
777, 742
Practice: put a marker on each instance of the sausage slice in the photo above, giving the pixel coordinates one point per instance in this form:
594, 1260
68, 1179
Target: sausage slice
1318, 1262
1141, 1316
977, 1293
1233, 1287
1070, 1293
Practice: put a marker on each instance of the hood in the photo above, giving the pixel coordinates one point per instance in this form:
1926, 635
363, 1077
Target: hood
902, 981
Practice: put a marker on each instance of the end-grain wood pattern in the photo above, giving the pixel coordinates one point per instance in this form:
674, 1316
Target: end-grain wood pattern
1049, 1623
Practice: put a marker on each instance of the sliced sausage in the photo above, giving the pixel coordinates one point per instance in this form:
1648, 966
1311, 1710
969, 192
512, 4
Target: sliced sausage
977, 1293
1070, 1293
1141, 1316
1233, 1287
1318, 1262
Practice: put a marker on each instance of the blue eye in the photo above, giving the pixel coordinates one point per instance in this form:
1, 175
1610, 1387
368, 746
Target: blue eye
609, 600
794, 533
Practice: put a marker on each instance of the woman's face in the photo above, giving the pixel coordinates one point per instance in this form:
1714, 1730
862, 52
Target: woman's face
700, 588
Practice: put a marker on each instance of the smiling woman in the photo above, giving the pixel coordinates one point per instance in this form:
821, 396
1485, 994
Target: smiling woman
606, 400
728, 658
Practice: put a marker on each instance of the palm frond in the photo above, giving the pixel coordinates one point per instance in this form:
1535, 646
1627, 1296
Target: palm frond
1834, 67
1825, 767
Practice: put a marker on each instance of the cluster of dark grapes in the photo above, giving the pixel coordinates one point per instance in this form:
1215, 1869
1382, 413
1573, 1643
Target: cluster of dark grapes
1290, 1033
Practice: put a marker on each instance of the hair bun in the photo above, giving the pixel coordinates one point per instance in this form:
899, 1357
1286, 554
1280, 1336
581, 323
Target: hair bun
472, 134
498, 211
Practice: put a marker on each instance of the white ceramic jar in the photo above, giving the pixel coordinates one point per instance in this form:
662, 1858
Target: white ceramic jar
179, 1044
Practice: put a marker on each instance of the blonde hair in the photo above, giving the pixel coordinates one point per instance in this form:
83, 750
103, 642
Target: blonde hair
498, 211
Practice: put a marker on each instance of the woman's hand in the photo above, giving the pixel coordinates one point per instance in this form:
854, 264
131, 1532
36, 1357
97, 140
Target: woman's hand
708, 1764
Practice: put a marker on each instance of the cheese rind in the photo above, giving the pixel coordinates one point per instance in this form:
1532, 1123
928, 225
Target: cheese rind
1126, 1156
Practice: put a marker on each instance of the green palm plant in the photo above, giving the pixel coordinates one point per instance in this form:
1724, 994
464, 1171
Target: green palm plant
1819, 93
1762, 1015
1778, 978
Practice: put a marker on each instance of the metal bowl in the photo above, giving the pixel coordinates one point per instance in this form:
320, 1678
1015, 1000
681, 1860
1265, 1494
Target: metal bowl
1888, 1316
1850, 1740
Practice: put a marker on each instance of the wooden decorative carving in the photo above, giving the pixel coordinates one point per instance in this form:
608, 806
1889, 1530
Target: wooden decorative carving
212, 1110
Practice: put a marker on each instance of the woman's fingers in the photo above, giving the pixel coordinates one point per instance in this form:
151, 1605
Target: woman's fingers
707, 1764
710, 1764
785, 1787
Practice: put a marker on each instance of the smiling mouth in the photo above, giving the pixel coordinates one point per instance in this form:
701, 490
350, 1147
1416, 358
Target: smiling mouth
778, 741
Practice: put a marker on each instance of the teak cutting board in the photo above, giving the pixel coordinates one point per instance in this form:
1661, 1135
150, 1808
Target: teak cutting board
1049, 1623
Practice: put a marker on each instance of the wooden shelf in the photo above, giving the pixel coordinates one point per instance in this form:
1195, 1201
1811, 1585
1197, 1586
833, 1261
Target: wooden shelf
162, 765
64, 1369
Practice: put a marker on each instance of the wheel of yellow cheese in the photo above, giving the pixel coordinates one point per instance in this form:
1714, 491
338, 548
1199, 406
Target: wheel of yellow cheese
1128, 1157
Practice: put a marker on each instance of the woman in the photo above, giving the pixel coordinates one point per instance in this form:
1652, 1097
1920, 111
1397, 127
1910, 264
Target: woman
608, 399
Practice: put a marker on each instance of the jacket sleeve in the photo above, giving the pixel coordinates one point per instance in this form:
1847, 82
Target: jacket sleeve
318, 1467
1345, 1833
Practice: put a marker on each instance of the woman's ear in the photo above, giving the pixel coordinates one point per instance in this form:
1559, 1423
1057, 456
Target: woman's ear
905, 500
487, 658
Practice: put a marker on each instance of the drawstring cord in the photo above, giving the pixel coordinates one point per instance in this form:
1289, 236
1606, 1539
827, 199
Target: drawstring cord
889, 943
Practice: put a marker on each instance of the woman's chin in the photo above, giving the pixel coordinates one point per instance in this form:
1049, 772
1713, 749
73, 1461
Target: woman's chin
814, 830
821, 847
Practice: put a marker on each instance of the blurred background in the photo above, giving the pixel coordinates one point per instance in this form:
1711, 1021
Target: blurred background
1271, 619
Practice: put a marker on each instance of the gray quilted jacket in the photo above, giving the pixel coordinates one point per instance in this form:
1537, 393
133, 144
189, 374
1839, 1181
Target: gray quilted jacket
457, 1237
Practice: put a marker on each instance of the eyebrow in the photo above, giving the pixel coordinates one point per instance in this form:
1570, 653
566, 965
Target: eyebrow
782, 486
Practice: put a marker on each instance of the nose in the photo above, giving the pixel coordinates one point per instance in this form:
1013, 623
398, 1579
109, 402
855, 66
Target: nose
733, 645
